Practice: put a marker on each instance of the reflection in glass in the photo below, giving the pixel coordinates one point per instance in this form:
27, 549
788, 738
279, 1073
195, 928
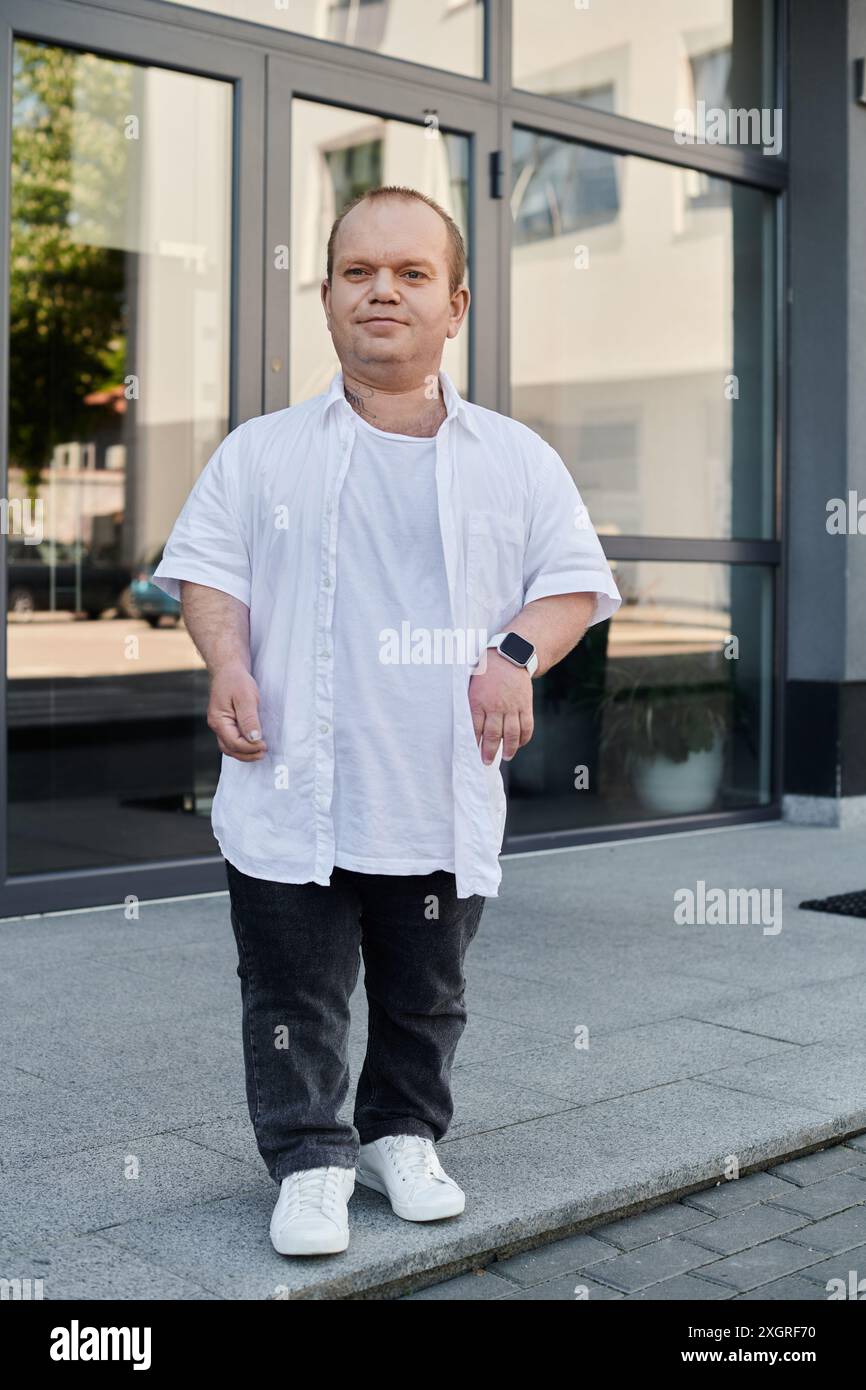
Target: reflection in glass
560, 187
642, 340
336, 154
663, 711
657, 62
119, 338
445, 34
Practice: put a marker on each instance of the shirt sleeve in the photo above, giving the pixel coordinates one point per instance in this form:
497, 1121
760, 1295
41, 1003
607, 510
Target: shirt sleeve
208, 542
563, 553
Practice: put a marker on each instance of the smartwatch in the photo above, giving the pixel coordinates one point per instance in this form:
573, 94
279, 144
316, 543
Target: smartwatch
516, 649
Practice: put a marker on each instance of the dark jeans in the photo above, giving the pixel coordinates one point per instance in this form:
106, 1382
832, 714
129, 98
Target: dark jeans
298, 962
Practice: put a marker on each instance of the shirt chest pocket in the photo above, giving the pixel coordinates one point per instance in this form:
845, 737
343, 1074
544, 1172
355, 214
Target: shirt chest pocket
494, 559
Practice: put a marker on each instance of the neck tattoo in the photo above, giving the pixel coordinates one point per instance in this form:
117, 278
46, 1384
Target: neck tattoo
361, 397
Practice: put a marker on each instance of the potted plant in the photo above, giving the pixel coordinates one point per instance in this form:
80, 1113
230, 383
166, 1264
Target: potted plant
669, 720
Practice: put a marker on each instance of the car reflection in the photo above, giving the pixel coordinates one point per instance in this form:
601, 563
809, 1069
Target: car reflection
56, 576
148, 601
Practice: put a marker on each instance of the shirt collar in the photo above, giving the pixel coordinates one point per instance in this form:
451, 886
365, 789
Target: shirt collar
456, 407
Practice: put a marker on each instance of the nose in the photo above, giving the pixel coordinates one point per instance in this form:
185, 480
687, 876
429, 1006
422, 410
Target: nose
384, 285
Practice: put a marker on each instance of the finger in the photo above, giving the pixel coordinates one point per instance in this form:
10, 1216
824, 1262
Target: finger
477, 721
527, 726
227, 731
492, 737
240, 757
247, 717
510, 736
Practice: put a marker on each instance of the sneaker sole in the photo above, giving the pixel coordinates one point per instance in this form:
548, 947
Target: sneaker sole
332, 1246
405, 1213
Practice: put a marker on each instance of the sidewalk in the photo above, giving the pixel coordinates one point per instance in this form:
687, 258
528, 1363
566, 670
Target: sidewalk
128, 1167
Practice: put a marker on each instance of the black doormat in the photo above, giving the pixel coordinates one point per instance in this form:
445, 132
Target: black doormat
848, 904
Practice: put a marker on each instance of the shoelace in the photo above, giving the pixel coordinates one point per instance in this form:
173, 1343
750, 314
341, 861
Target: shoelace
414, 1156
315, 1188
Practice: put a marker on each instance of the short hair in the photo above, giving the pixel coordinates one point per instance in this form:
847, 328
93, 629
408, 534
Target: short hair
456, 244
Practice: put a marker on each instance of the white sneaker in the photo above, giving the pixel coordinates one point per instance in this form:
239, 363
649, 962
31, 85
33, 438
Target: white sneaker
311, 1216
406, 1169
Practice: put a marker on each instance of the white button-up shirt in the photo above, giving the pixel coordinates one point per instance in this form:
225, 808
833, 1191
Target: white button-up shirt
262, 523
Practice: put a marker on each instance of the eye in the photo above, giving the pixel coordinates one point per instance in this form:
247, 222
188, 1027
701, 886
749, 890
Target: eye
415, 272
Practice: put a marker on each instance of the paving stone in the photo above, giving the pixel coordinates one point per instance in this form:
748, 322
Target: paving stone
652, 1263
830, 1076
840, 1266
88, 1267
66, 1125
233, 1136
559, 1257
823, 1198
809, 1013
71, 1123
737, 1193
619, 1062
683, 1286
749, 1269
483, 1102
477, 1286
21, 1092
667, 1220
743, 1229
83, 1193
96, 1048
227, 1242
495, 1040
572, 1288
792, 1289
612, 1001
834, 1234
62, 995
584, 1150
817, 1166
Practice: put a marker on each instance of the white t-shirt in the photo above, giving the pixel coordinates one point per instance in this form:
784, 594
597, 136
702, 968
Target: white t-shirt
393, 801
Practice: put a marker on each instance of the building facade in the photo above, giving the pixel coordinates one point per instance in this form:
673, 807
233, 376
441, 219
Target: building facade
665, 212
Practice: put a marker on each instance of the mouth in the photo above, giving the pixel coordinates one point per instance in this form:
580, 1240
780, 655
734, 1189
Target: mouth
383, 319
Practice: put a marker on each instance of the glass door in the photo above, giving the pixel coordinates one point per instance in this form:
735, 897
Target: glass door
331, 136
126, 260
169, 201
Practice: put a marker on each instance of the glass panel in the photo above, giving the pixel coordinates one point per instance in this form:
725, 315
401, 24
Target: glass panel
336, 154
675, 65
666, 710
445, 34
119, 327
642, 342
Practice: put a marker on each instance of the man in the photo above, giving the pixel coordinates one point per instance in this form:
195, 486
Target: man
343, 565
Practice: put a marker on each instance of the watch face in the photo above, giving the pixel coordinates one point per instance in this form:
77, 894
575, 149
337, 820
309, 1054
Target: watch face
516, 647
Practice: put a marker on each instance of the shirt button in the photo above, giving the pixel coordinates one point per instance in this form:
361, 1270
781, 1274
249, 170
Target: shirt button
324, 728
327, 581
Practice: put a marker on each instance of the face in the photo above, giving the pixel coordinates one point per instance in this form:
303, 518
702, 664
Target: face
389, 304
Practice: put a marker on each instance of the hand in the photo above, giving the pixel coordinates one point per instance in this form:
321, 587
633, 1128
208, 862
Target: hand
500, 699
233, 714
